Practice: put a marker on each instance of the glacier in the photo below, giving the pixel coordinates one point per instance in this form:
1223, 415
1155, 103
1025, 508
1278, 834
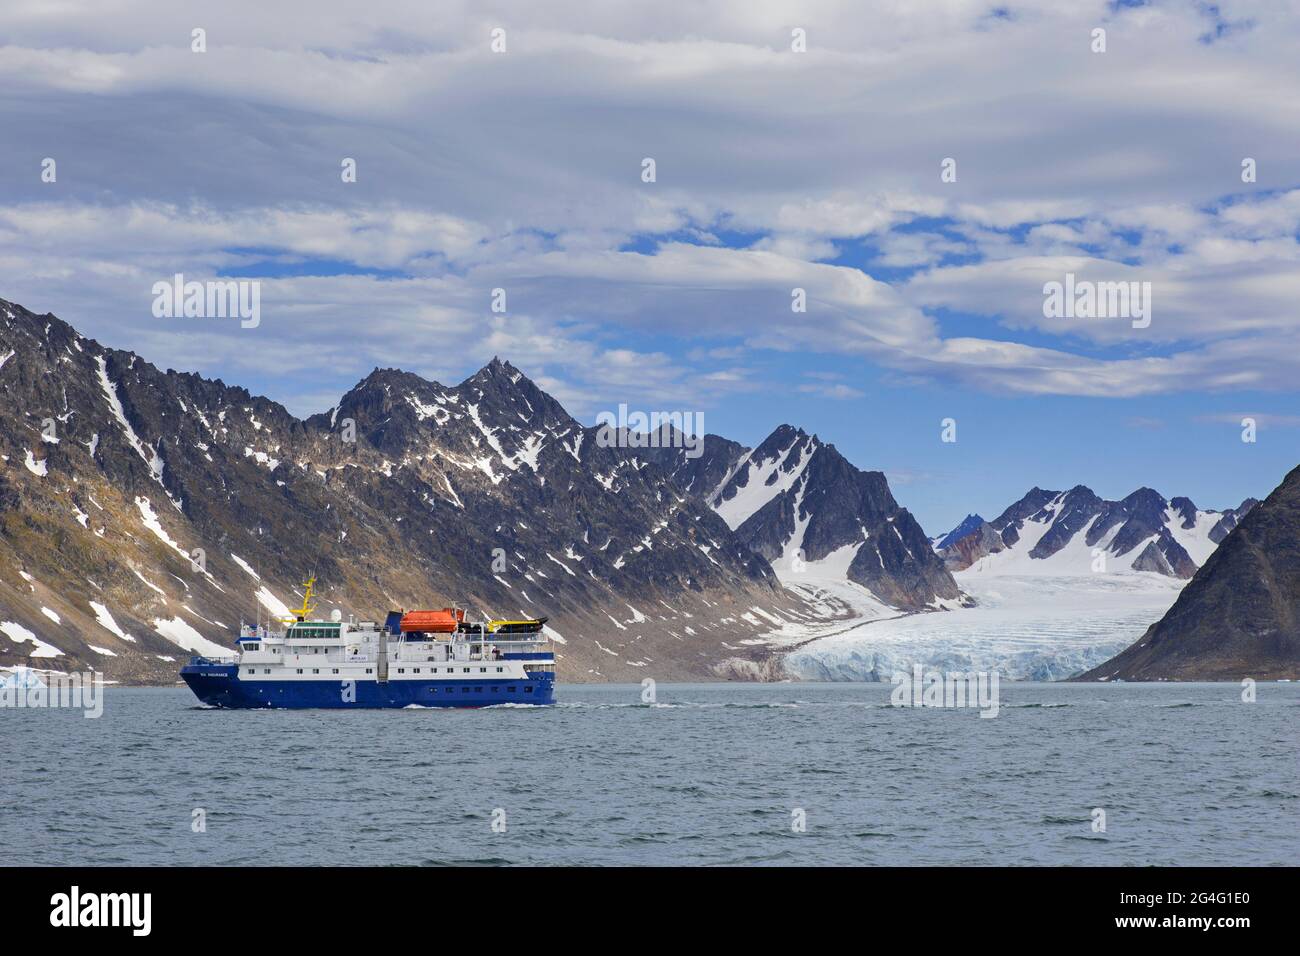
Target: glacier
1025, 626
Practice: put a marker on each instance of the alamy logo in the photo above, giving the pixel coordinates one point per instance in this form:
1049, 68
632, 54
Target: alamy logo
936, 689
1082, 299
218, 299
641, 430
26, 689
103, 909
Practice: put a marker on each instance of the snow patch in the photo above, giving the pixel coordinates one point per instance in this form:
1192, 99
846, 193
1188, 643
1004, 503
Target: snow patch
20, 635
150, 520
149, 583
152, 458
754, 490
106, 621
179, 632
273, 603
37, 466
244, 564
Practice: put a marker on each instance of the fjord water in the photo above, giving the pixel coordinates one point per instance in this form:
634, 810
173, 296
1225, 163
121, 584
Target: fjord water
711, 774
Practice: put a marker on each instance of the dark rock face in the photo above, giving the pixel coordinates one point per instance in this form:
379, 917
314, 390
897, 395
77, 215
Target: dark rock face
1153, 559
703, 474
1009, 523
487, 493
1186, 511
1230, 519
964, 551
1139, 516
1239, 616
1073, 513
968, 524
797, 498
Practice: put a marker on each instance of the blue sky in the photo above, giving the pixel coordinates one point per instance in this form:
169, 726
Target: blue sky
775, 170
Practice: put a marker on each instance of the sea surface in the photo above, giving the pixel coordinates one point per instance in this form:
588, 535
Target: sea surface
714, 774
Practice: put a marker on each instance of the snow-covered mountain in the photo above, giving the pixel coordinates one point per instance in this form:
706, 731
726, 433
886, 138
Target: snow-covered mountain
1076, 532
827, 527
799, 503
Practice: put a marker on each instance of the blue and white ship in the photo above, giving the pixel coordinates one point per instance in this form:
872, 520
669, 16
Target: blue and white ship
420, 658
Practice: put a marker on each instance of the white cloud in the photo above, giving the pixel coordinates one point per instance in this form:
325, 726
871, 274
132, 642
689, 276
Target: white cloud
838, 390
522, 170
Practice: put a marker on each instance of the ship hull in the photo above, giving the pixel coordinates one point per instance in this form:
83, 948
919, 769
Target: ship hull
219, 685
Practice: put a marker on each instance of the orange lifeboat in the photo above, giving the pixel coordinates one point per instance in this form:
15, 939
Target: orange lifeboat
434, 622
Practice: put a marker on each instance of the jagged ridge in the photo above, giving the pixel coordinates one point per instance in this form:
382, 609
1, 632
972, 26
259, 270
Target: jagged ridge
1147, 531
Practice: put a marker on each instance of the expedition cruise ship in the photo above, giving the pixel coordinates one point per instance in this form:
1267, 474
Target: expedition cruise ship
416, 658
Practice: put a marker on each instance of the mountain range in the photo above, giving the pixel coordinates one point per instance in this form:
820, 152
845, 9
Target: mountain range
1075, 531
144, 513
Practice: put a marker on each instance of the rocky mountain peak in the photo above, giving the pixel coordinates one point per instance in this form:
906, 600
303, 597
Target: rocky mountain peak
1146, 502
1186, 510
500, 389
798, 502
780, 441
968, 524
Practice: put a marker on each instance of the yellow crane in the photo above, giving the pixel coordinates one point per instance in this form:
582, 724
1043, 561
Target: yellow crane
307, 608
